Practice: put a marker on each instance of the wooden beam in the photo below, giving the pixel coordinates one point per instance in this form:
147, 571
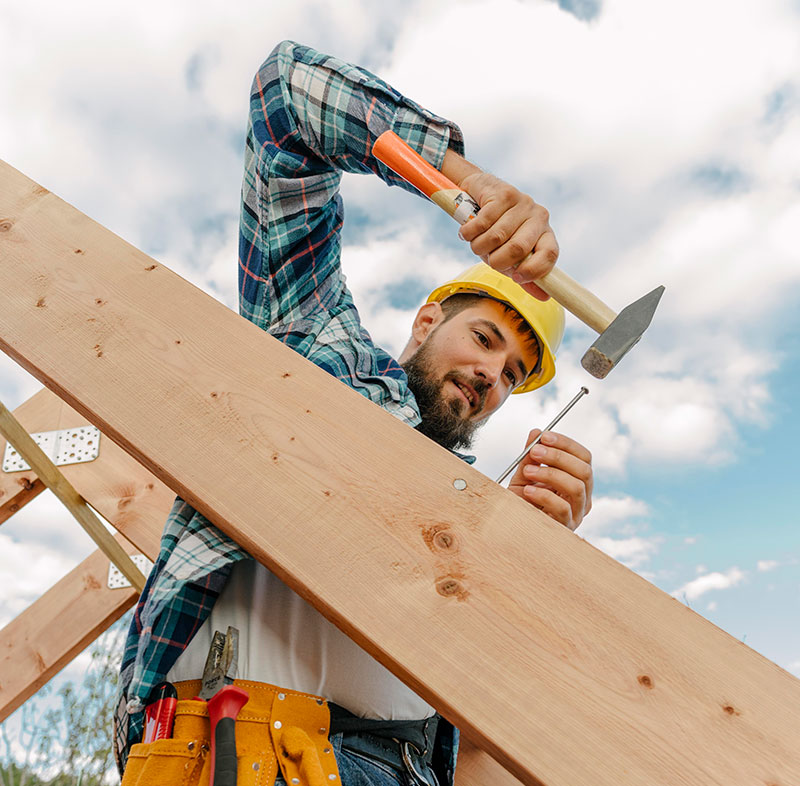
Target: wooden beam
18, 492
50, 475
120, 489
38, 643
564, 665
17, 489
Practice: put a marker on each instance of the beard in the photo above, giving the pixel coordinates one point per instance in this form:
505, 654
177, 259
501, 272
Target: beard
442, 418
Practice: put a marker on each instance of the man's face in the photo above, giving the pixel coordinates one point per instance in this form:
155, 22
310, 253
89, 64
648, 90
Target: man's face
464, 369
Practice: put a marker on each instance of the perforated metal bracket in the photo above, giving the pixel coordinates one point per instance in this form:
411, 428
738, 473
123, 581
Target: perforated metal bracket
67, 446
117, 581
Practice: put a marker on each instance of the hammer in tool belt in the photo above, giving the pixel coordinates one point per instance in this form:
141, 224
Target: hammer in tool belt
225, 700
618, 332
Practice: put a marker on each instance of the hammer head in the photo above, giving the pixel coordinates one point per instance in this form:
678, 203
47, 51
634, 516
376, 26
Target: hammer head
615, 341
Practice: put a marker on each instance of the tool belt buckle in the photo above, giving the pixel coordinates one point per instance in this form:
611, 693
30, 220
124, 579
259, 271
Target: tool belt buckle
419, 778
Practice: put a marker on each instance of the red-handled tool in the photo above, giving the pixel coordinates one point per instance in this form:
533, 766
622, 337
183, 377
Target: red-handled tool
225, 700
159, 714
223, 709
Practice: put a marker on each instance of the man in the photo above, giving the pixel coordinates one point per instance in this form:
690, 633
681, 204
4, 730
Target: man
478, 339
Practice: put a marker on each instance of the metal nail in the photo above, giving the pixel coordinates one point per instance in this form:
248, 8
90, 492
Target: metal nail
459, 484
278, 724
515, 463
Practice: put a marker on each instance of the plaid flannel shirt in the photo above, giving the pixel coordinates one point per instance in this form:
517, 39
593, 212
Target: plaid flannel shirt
311, 118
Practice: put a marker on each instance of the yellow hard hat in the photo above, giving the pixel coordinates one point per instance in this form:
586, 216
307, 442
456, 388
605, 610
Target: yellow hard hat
546, 319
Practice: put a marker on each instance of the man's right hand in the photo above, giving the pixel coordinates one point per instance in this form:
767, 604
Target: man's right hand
508, 227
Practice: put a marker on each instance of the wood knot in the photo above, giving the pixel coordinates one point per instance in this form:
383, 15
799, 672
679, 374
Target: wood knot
286, 374
98, 350
275, 456
645, 681
99, 301
78, 251
6, 224
90, 582
437, 538
326, 493
451, 587
214, 394
177, 341
444, 540
151, 267
40, 303
730, 710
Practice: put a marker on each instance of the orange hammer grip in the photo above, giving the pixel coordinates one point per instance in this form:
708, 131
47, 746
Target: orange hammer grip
411, 166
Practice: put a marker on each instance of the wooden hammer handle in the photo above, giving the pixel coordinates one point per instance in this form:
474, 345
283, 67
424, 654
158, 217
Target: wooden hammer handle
577, 299
400, 158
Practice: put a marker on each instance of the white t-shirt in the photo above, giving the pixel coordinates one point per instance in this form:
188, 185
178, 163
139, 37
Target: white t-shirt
285, 641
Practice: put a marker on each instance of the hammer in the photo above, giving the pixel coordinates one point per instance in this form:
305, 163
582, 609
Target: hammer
618, 332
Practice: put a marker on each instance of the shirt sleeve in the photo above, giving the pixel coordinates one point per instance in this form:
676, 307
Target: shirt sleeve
313, 117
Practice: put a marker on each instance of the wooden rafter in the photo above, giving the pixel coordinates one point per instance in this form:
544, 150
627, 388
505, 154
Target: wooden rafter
79, 607
38, 643
567, 667
55, 480
120, 489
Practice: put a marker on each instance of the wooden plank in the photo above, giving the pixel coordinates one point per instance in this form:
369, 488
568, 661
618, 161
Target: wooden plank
115, 485
567, 667
38, 643
18, 492
17, 489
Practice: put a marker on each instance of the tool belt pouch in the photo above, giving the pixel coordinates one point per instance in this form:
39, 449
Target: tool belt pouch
276, 730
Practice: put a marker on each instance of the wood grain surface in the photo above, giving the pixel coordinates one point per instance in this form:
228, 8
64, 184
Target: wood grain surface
568, 668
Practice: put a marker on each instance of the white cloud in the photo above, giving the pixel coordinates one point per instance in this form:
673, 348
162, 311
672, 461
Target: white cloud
26, 571
690, 540
708, 582
631, 551
712, 606
764, 565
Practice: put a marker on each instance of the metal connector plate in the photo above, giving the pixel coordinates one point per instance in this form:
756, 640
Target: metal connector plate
67, 446
117, 581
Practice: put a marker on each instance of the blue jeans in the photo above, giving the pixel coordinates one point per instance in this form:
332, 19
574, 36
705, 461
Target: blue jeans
358, 770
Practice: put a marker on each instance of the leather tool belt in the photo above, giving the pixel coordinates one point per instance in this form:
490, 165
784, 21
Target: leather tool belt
277, 729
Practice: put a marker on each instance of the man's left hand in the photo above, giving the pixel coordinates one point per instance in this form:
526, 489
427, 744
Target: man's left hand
556, 477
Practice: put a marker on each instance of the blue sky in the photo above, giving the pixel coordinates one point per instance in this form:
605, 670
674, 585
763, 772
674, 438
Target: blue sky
662, 137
